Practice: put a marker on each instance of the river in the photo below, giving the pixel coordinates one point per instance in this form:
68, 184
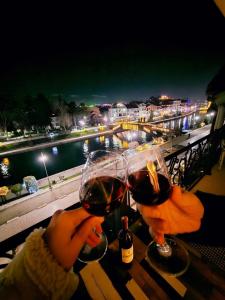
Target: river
65, 156
72, 154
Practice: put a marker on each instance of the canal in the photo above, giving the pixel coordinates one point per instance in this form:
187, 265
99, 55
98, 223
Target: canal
73, 154
65, 156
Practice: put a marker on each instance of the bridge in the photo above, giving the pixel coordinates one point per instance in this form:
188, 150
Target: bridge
148, 127
136, 126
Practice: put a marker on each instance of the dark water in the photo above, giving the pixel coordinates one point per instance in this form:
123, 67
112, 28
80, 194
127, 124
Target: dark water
64, 156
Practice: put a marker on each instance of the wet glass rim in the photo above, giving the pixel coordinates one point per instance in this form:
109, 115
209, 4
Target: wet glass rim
109, 152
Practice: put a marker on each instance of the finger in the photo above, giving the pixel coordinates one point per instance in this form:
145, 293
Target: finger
78, 215
98, 227
158, 225
82, 233
55, 216
94, 237
159, 238
57, 212
176, 194
93, 241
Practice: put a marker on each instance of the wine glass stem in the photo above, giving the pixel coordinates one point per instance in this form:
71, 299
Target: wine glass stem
164, 249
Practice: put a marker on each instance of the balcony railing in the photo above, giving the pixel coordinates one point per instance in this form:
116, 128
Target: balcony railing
188, 165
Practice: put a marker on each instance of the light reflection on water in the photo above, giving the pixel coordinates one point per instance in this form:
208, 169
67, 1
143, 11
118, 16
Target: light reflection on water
55, 150
106, 142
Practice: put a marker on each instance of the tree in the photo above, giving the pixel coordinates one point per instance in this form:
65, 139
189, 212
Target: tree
7, 108
82, 109
33, 112
63, 113
95, 116
25, 113
73, 110
42, 111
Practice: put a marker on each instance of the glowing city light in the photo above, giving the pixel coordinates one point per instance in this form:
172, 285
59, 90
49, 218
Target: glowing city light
43, 158
164, 97
82, 123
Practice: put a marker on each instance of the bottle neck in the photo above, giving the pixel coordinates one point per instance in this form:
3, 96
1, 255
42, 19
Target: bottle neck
124, 223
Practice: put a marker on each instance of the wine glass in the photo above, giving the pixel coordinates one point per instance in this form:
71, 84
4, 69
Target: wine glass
149, 184
103, 189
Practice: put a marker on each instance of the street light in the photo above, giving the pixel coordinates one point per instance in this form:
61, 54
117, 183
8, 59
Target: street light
43, 158
82, 123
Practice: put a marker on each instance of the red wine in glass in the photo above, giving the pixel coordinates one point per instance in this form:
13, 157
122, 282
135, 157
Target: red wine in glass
101, 195
142, 190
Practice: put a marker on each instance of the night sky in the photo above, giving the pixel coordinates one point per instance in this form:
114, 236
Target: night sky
109, 52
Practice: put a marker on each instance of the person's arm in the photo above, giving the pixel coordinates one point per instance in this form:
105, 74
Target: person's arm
35, 274
42, 270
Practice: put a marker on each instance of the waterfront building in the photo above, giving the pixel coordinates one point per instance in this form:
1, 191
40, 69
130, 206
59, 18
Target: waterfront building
132, 111
166, 107
118, 111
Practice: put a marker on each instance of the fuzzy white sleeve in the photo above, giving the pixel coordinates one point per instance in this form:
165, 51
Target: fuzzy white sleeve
35, 274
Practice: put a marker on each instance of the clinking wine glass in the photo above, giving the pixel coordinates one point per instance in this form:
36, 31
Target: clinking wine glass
103, 189
149, 184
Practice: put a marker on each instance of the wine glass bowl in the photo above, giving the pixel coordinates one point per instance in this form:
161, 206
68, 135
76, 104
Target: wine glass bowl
142, 190
103, 189
103, 184
148, 179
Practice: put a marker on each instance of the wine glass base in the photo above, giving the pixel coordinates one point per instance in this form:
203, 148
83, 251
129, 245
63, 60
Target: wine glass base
174, 265
89, 254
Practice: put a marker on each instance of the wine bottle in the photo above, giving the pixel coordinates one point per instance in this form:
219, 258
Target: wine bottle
125, 243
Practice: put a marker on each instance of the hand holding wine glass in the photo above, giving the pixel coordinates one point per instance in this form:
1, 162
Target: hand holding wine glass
67, 232
150, 187
181, 213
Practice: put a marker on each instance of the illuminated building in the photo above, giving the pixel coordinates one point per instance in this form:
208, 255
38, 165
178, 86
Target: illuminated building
131, 111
